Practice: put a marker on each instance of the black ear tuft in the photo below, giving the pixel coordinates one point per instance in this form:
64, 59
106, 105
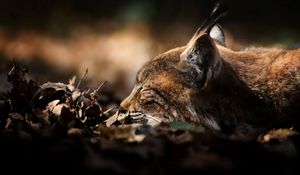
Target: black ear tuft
217, 13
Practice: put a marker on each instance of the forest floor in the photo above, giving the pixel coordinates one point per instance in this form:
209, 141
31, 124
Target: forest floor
56, 127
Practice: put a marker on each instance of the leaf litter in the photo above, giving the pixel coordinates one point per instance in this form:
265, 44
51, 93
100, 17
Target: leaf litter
62, 127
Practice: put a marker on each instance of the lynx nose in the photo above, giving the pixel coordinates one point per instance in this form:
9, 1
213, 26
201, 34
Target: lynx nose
125, 104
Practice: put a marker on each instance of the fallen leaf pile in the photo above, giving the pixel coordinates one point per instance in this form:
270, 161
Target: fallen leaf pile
60, 128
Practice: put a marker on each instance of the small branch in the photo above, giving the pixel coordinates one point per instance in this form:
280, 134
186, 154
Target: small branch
83, 77
99, 87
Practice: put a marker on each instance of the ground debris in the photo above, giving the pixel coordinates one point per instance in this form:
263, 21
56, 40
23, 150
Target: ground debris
278, 134
60, 125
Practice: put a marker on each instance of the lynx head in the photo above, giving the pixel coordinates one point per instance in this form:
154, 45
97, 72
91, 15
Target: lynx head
174, 84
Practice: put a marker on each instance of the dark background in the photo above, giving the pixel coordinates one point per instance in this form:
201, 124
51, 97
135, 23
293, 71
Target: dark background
39, 33
56, 16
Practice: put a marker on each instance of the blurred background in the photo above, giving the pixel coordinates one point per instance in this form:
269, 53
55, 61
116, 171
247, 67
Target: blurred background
58, 39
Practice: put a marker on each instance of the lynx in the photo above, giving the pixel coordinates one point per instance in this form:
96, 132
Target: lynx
206, 83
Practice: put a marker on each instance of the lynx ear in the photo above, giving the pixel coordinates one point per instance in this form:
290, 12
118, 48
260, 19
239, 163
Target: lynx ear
201, 60
217, 33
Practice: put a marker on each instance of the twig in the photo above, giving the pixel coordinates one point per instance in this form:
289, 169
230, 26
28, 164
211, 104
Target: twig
83, 77
99, 87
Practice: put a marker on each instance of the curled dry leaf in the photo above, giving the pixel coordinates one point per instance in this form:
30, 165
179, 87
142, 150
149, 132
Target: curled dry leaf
54, 99
278, 134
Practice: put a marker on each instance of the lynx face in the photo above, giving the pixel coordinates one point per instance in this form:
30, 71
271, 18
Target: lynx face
166, 86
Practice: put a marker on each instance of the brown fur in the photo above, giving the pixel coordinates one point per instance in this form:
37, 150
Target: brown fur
271, 73
255, 87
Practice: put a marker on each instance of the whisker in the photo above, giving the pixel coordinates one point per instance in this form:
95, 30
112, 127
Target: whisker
151, 117
135, 113
110, 109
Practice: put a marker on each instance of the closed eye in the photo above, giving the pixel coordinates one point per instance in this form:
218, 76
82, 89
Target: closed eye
147, 96
150, 96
